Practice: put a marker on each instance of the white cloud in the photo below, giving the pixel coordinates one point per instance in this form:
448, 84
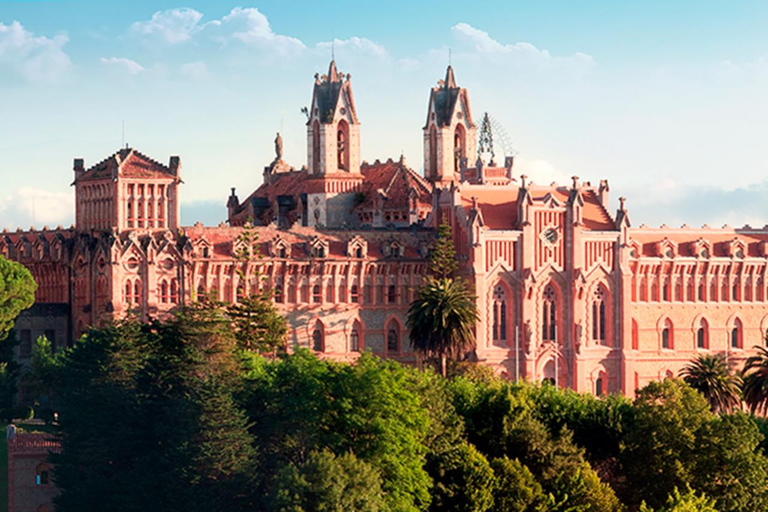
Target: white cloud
481, 42
131, 66
540, 172
173, 25
29, 206
248, 25
36, 58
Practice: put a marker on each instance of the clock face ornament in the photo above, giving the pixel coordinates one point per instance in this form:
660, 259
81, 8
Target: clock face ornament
550, 236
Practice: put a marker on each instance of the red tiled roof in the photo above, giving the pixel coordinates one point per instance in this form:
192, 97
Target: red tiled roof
397, 182
127, 163
498, 205
685, 240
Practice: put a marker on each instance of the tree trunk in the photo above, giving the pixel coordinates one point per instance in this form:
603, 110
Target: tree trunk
442, 364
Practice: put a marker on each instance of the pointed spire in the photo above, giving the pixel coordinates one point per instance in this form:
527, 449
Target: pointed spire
450, 80
333, 74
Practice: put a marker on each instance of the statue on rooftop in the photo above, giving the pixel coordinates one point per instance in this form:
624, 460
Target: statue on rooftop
278, 147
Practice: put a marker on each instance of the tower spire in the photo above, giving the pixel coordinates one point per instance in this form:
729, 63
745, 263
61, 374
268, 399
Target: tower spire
450, 80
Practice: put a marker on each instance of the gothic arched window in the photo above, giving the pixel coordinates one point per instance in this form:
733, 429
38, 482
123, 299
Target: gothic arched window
702, 335
316, 293
342, 145
499, 314
354, 294
459, 146
354, 337
318, 338
667, 341
736, 334
315, 148
432, 171
549, 314
598, 316
393, 337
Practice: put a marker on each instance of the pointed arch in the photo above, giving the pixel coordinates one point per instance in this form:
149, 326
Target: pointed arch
635, 335
459, 146
317, 336
394, 335
500, 313
316, 147
550, 312
342, 145
599, 315
701, 333
666, 334
735, 333
356, 341
432, 165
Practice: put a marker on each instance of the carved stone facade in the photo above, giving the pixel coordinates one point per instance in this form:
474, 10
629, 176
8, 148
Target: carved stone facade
567, 290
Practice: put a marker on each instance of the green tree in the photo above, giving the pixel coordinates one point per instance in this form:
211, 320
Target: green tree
464, 481
329, 483
17, 293
442, 320
710, 375
756, 382
660, 449
10, 371
690, 501
516, 488
442, 258
583, 490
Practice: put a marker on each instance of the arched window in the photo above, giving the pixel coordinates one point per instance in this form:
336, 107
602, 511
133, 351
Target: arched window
315, 149
174, 291
702, 335
128, 292
318, 338
549, 315
735, 291
354, 337
737, 334
499, 314
42, 474
342, 145
643, 289
459, 146
137, 292
665, 290
392, 294
701, 291
600, 383
393, 337
353, 294
635, 335
598, 316
316, 293
164, 291
667, 341
432, 170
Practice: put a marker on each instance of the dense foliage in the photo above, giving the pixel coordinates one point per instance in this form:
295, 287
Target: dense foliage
179, 415
17, 293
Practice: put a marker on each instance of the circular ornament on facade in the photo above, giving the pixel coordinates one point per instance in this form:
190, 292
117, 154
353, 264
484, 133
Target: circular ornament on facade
739, 253
132, 264
633, 253
166, 264
459, 115
550, 236
704, 253
343, 111
668, 253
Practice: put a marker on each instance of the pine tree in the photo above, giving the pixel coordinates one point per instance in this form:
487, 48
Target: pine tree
442, 258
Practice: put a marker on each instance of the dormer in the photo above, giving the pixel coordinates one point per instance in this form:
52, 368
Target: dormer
736, 248
318, 248
701, 248
333, 130
635, 251
279, 248
202, 248
666, 249
357, 248
394, 249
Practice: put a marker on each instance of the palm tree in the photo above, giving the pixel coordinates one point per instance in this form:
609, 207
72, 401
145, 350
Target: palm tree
710, 375
442, 319
756, 381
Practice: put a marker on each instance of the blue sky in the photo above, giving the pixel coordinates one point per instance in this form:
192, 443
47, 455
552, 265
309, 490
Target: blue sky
665, 99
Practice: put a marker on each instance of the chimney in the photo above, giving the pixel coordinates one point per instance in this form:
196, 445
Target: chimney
603, 194
78, 167
175, 165
232, 203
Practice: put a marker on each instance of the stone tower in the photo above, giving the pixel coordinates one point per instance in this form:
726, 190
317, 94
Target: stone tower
333, 130
450, 134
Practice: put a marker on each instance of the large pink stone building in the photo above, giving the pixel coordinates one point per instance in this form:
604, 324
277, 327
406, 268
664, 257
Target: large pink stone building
567, 289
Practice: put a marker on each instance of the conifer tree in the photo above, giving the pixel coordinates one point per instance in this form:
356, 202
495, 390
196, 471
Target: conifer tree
442, 258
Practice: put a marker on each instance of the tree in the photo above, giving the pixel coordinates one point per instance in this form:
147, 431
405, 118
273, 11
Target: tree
756, 381
690, 501
442, 257
329, 483
710, 375
464, 481
516, 489
17, 293
660, 450
442, 319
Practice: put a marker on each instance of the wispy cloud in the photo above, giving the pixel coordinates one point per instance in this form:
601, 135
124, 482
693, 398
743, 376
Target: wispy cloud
131, 66
174, 26
29, 206
36, 58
